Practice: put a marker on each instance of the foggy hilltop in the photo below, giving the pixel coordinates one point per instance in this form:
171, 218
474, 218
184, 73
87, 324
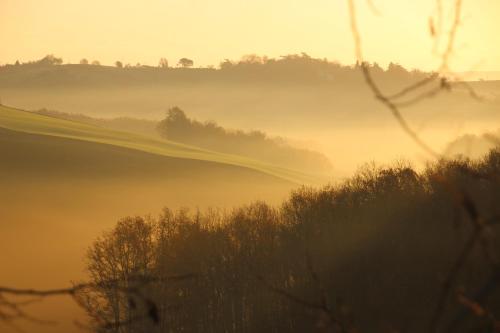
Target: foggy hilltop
293, 96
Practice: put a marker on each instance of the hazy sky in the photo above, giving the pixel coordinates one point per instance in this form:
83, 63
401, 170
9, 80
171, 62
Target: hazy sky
209, 31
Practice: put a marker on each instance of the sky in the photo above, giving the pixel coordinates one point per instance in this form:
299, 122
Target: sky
143, 31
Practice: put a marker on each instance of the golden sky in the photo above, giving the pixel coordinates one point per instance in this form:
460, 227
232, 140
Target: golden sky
209, 31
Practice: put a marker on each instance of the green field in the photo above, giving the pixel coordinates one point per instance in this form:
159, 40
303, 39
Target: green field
72, 180
28, 122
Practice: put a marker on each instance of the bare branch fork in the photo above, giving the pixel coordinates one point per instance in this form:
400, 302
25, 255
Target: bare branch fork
391, 102
10, 310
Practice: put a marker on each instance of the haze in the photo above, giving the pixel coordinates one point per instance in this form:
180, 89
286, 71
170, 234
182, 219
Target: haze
235, 166
209, 31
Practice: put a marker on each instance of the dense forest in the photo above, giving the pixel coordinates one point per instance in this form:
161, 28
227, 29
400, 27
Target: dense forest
389, 250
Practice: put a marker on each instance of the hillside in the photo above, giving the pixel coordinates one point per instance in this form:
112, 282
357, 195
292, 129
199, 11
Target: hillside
28, 122
256, 145
318, 105
246, 94
73, 180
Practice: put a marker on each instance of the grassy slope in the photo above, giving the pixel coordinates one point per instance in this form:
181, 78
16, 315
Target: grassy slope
28, 122
57, 194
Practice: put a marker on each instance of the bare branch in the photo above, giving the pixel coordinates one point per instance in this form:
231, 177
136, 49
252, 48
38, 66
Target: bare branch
376, 90
11, 311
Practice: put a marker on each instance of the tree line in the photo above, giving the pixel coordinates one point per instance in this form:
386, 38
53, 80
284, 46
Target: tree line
177, 126
251, 63
376, 253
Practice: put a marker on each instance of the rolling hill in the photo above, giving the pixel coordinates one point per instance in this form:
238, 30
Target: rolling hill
322, 106
74, 180
28, 122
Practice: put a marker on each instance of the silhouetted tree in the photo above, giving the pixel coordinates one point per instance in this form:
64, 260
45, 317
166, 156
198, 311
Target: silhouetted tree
255, 144
127, 255
379, 240
252, 59
50, 60
119, 64
185, 63
226, 64
163, 63
396, 69
84, 62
